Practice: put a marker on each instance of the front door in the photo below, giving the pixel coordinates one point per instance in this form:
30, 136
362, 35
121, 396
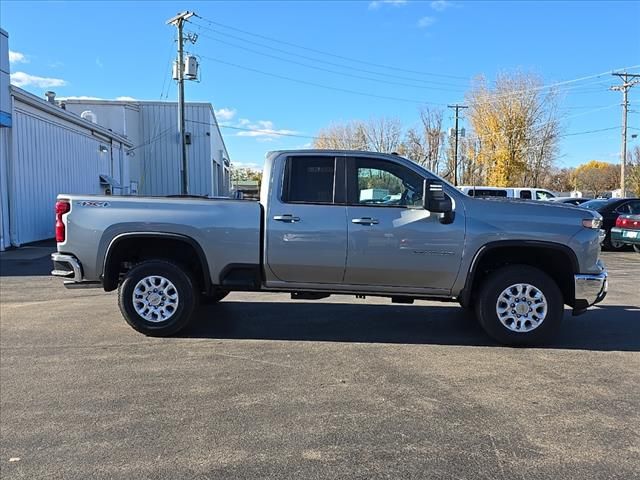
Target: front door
393, 241
306, 221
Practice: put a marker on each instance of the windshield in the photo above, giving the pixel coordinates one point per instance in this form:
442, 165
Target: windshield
594, 204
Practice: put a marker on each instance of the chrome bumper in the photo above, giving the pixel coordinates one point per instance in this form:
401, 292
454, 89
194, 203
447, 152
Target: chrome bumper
68, 267
590, 289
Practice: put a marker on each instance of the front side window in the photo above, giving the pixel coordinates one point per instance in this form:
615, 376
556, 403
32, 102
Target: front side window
381, 183
543, 195
309, 180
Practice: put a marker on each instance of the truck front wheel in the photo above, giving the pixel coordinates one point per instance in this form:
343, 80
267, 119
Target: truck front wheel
519, 305
157, 298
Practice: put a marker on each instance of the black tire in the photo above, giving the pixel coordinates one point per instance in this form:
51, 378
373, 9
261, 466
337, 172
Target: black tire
608, 244
185, 290
213, 298
500, 280
636, 248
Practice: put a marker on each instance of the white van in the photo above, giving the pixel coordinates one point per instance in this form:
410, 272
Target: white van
508, 192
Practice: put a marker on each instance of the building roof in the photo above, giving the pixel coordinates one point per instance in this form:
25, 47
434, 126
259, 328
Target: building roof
152, 102
47, 107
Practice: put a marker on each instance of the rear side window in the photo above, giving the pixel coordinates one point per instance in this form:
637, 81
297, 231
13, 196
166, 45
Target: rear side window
635, 207
485, 193
525, 194
309, 180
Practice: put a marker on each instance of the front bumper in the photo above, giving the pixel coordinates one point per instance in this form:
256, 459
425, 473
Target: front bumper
589, 290
69, 268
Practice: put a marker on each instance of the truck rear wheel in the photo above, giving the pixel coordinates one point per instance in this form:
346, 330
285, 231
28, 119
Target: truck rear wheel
157, 298
519, 305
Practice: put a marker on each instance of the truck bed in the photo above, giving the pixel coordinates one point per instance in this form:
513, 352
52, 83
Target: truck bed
228, 231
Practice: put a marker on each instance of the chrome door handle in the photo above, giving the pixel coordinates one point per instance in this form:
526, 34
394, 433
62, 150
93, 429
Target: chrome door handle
365, 221
286, 218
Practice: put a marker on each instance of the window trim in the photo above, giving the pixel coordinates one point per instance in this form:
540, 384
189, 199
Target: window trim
350, 192
339, 192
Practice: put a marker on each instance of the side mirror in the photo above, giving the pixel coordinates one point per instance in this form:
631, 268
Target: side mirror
436, 201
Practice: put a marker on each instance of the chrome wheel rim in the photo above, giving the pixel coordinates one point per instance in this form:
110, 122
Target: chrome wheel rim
155, 299
521, 307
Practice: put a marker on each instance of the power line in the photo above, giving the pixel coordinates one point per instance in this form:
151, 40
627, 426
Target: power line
319, 85
362, 77
306, 57
329, 54
271, 39
311, 137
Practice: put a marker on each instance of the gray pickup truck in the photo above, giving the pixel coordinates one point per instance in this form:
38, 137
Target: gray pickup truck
336, 222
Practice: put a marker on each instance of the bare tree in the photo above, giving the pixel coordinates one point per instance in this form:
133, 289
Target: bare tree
432, 130
383, 134
342, 136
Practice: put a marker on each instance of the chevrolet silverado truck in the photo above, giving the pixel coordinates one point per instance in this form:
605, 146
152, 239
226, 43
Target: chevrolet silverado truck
318, 230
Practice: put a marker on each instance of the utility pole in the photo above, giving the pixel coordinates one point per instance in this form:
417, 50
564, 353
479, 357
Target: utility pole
455, 148
178, 21
628, 81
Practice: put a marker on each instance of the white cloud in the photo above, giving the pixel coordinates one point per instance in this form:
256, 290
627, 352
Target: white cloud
426, 22
126, 99
79, 97
17, 57
441, 5
262, 130
225, 114
250, 165
22, 79
378, 3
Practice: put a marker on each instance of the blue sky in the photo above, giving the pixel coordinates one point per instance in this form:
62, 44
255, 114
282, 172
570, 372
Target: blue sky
124, 49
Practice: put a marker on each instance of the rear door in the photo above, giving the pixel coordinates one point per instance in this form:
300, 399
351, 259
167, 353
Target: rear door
306, 221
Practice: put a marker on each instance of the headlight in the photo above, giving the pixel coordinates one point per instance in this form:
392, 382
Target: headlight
592, 223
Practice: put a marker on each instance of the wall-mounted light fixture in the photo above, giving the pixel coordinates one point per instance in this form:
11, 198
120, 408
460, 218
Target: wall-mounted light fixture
103, 149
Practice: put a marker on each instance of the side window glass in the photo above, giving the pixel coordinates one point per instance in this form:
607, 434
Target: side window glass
624, 209
635, 208
309, 180
525, 194
542, 195
381, 183
484, 193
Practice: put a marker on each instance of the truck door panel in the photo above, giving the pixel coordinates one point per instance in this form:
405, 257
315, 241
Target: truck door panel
393, 241
306, 229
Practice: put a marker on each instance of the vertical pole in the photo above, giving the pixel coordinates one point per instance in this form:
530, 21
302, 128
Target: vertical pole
178, 21
183, 145
625, 105
455, 153
628, 80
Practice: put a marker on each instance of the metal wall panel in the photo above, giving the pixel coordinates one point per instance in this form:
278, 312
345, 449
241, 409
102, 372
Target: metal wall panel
161, 156
5, 148
50, 157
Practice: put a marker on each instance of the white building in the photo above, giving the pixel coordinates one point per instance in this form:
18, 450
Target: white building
155, 158
95, 147
45, 150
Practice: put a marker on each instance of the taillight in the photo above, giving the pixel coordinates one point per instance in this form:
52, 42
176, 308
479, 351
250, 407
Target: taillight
62, 207
626, 222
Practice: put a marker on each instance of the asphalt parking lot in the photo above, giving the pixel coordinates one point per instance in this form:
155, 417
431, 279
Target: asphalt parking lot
263, 387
